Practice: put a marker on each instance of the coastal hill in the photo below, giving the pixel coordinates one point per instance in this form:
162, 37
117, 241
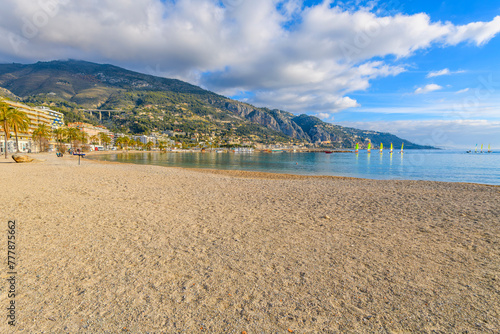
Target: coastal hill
143, 103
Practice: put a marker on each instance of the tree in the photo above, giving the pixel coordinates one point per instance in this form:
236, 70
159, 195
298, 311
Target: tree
94, 139
119, 142
161, 145
60, 135
5, 118
149, 145
123, 142
105, 139
84, 138
134, 143
74, 135
20, 122
41, 133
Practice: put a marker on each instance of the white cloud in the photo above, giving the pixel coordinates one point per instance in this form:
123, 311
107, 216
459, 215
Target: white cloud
427, 89
240, 46
478, 32
325, 116
461, 91
438, 73
442, 72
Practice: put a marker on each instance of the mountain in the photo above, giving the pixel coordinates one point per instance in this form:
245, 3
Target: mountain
143, 103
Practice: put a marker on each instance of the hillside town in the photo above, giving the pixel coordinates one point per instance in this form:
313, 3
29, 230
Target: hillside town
41, 129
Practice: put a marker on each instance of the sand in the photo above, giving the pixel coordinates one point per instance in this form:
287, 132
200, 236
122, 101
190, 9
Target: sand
107, 247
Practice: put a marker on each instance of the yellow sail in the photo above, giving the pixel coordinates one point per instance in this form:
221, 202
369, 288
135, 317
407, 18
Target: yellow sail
402, 145
369, 146
391, 147
357, 147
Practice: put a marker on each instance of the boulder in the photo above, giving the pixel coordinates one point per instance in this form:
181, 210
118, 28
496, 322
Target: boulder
19, 158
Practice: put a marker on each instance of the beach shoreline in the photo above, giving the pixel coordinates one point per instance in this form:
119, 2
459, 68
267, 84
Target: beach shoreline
107, 247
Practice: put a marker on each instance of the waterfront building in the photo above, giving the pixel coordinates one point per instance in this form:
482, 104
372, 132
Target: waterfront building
92, 130
37, 115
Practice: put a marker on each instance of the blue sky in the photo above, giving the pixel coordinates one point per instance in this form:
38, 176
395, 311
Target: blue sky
424, 70
462, 110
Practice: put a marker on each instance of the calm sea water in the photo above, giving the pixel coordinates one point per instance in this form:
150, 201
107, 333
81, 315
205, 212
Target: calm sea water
436, 165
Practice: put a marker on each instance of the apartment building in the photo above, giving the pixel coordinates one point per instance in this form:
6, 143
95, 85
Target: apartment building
37, 115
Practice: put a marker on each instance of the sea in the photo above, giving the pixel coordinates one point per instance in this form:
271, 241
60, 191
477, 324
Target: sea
433, 165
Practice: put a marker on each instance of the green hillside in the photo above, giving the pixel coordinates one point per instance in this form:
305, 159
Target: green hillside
144, 103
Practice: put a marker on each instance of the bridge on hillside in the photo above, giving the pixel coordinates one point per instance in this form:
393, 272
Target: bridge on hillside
100, 111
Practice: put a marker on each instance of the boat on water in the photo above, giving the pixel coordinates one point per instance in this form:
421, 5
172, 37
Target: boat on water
328, 152
402, 146
391, 148
369, 148
480, 149
381, 148
357, 148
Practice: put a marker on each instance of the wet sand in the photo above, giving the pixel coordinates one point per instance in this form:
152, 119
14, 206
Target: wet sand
107, 247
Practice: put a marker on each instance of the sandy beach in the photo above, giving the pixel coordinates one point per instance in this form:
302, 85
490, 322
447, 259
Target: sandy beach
109, 248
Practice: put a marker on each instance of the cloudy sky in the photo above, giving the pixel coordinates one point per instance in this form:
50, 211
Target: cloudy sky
425, 70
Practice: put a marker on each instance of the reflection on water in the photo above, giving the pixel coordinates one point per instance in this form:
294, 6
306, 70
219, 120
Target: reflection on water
439, 165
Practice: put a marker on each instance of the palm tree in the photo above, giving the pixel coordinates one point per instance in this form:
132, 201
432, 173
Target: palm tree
149, 145
73, 134
20, 122
84, 138
94, 139
123, 142
119, 142
139, 145
61, 134
132, 143
105, 139
40, 133
5, 117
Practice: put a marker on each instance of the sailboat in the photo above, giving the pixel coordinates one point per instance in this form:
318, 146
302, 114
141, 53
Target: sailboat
475, 151
481, 148
369, 148
391, 147
402, 145
489, 148
381, 148
357, 148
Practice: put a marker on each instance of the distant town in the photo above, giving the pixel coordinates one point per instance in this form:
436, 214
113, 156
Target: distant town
45, 131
